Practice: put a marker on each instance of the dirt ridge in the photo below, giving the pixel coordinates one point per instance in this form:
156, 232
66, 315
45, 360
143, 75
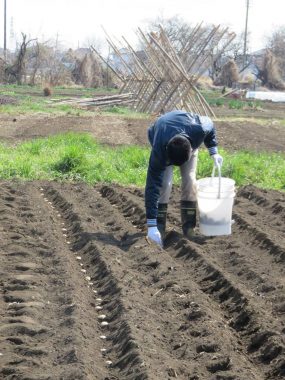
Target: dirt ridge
122, 347
247, 318
85, 296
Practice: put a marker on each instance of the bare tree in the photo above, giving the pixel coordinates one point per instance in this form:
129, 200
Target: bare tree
221, 49
53, 69
213, 45
35, 57
2, 70
48, 63
16, 72
176, 28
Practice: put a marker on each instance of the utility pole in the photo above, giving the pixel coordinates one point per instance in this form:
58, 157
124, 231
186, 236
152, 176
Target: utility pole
245, 35
5, 29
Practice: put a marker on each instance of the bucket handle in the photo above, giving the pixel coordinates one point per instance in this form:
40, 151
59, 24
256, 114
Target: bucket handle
220, 178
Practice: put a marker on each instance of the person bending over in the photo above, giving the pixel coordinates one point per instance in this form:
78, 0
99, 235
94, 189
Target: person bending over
175, 138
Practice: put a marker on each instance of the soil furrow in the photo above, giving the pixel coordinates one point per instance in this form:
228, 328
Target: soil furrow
235, 254
118, 345
43, 297
170, 306
85, 296
232, 253
275, 204
241, 306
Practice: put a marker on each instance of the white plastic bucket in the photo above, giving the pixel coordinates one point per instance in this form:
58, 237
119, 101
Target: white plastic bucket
215, 197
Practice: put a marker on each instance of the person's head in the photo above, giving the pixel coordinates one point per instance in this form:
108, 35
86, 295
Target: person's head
178, 150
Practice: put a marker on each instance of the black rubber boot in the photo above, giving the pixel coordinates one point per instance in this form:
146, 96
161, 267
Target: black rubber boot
188, 217
161, 218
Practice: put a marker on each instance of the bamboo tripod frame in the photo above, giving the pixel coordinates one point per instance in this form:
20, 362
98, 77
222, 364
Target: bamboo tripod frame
166, 79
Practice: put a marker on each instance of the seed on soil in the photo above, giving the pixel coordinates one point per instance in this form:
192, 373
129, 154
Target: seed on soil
103, 337
68, 242
104, 323
103, 351
101, 316
98, 308
98, 299
90, 283
88, 278
63, 229
109, 362
78, 257
95, 291
83, 270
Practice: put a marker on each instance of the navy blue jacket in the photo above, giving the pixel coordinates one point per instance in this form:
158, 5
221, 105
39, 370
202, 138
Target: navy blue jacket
198, 130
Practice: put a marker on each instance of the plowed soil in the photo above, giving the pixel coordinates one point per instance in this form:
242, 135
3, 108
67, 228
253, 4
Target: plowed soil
83, 295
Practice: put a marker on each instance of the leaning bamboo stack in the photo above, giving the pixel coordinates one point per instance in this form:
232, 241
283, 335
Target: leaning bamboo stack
167, 79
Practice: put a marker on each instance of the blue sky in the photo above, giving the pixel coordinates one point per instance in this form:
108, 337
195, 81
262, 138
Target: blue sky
77, 22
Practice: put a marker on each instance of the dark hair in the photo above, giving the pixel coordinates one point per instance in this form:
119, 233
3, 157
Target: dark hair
178, 150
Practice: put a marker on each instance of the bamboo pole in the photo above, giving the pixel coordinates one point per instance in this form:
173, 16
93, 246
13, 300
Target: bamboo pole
110, 67
200, 97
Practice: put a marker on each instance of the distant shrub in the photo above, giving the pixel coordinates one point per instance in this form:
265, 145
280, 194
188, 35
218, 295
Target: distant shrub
216, 102
255, 104
47, 91
219, 102
236, 104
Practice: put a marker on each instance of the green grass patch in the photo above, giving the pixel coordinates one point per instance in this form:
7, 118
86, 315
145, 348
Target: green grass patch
214, 98
125, 111
265, 170
234, 104
27, 104
56, 90
75, 156
30, 99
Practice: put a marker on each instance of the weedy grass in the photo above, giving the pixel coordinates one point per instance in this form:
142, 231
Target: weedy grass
31, 104
262, 169
78, 157
30, 99
125, 111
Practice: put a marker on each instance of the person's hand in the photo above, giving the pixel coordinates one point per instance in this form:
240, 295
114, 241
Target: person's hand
218, 160
154, 235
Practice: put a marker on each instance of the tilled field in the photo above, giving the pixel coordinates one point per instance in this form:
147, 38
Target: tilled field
84, 296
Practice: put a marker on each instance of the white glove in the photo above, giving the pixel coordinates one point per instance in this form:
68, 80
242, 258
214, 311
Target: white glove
218, 160
154, 235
